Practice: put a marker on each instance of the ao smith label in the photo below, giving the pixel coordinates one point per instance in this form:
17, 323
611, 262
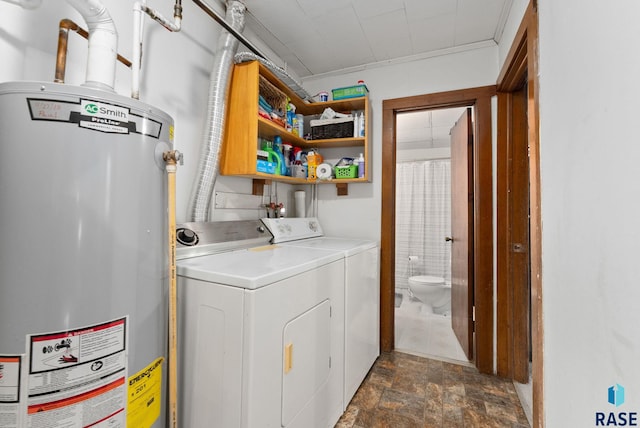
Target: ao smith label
94, 115
106, 111
104, 117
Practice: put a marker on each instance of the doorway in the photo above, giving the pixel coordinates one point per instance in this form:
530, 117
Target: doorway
518, 249
423, 323
479, 317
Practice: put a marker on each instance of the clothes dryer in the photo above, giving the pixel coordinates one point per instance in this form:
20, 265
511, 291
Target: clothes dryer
362, 291
262, 329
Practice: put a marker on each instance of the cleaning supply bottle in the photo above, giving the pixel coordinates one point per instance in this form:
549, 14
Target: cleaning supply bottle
267, 146
291, 114
360, 162
313, 160
286, 152
356, 124
277, 148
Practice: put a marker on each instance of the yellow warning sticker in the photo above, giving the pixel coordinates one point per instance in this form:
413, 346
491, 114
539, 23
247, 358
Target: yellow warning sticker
144, 396
171, 133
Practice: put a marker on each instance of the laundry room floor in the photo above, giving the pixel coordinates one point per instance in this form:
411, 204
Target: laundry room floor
407, 391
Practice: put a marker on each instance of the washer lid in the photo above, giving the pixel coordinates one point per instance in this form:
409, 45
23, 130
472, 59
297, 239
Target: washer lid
348, 246
255, 267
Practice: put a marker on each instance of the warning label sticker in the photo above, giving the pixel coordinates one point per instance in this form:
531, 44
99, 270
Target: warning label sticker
94, 115
145, 396
78, 377
11, 408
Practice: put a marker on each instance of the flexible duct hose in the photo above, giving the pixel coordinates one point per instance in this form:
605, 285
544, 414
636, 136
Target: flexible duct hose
280, 73
220, 81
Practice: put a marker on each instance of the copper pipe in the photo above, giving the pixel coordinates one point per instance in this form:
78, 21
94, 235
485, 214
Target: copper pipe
67, 25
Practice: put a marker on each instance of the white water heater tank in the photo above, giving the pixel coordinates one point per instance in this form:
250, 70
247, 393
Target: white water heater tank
83, 257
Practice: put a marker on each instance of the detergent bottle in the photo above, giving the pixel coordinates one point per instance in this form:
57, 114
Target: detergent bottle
267, 146
277, 148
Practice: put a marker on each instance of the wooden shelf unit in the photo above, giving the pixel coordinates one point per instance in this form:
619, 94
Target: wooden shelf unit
244, 127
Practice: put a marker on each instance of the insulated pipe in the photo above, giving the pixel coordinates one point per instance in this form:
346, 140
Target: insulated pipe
103, 42
138, 25
67, 25
177, 17
138, 28
171, 158
220, 81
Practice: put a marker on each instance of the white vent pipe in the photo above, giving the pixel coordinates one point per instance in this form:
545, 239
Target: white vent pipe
27, 4
103, 43
220, 80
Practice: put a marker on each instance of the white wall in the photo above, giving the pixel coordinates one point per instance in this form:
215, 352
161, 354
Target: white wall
175, 72
358, 214
589, 86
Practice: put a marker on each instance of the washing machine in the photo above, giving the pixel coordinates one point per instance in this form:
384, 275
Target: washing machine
261, 329
362, 291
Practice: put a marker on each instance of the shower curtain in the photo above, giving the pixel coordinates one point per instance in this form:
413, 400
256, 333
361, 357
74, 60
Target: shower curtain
423, 219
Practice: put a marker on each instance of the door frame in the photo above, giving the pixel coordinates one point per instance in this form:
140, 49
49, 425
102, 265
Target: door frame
521, 63
480, 98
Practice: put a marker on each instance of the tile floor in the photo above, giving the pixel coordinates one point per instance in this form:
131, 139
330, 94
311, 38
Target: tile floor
420, 332
406, 391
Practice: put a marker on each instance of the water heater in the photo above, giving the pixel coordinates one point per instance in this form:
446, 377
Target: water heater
83, 258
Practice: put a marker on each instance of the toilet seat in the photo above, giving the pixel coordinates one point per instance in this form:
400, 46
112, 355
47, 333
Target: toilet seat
427, 280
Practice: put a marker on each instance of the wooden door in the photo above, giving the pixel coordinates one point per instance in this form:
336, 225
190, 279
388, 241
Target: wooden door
519, 254
462, 232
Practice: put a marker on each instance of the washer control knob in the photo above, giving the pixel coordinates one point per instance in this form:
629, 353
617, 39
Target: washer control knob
186, 237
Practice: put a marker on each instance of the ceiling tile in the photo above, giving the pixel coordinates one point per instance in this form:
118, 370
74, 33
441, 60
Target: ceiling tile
369, 8
419, 10
315, 8
477, 20
388, 35
431, 34
317, 36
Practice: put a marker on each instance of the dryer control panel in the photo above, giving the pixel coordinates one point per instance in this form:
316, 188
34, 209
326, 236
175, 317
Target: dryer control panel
201, 238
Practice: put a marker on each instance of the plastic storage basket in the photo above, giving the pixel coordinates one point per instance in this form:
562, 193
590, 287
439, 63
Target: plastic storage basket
350, 171
331, 128
349, 92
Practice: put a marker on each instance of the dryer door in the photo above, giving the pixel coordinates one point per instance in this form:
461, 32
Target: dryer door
306, 354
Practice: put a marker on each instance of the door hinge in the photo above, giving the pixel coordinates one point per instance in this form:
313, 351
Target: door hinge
329, 362
473, 319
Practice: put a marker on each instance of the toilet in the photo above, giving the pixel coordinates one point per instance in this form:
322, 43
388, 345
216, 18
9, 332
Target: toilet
432, 291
